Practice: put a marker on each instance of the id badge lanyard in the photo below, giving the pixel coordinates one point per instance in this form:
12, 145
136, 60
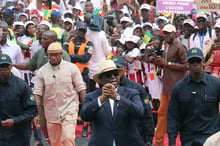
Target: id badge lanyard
201, 40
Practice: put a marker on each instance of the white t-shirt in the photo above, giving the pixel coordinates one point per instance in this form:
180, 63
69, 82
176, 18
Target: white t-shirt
101, 49
136, 64
97, 4
201, 41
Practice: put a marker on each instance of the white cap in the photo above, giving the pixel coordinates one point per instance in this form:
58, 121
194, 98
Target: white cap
145, 6
162, 18
21, 3
29, 22
122, 40
217, 19
125, 19
67, 12
217, 25
18, 23
68, 20
22, 14
155, 26
46, 23
147, 24
132, 38
201, 15
34, 16
137, 26
77, 6
169, 28
189, 21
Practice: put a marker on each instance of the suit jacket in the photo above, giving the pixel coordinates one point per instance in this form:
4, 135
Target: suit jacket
121, 126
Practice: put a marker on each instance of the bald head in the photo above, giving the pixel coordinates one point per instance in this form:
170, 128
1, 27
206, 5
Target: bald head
48, 37
44, 27
4, 27
51, 34
3, 24
87, 18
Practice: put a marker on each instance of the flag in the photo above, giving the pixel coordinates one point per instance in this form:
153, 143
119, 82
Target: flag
147, 37
96, 11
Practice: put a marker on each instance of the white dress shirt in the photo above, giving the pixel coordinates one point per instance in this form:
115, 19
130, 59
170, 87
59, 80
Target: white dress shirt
12, 50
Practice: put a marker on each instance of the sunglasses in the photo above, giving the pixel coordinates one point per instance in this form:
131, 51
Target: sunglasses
198, 21
195, 60
109, 74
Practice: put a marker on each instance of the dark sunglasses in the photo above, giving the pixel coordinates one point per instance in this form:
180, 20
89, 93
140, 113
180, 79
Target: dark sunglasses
198, 21
109, 74
195, 60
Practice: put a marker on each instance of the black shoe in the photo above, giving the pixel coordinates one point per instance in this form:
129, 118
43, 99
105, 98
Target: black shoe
85, 131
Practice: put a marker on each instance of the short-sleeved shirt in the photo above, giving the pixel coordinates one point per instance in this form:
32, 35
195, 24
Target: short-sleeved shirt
61, 85
40, 58
101, 49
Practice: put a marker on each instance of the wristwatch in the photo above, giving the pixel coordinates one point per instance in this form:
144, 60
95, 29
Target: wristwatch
118, 98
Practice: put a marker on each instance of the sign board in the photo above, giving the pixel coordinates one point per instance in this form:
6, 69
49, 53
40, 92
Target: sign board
122, 1
175, 6
208, 5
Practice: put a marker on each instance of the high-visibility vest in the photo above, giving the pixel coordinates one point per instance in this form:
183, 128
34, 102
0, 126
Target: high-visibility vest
59, 33
81, 51
12, 36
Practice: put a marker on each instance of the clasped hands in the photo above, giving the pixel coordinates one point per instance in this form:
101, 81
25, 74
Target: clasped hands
108, 91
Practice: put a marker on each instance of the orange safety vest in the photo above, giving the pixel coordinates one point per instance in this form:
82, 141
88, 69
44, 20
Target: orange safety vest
81, 51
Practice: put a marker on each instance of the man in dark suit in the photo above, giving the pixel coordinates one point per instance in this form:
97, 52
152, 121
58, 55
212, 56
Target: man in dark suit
113, 110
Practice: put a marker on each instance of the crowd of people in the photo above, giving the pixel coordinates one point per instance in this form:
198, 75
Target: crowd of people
126, 70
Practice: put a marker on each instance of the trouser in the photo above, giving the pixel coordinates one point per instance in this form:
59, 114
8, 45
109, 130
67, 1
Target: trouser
37, 133
162, 119
63, 134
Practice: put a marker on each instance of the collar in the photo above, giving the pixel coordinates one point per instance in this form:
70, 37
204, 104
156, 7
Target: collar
203, 80
57, 67
203, 32
10, 81
8, 43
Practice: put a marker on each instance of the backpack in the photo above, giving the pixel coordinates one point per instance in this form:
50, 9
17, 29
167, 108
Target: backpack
96, 22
